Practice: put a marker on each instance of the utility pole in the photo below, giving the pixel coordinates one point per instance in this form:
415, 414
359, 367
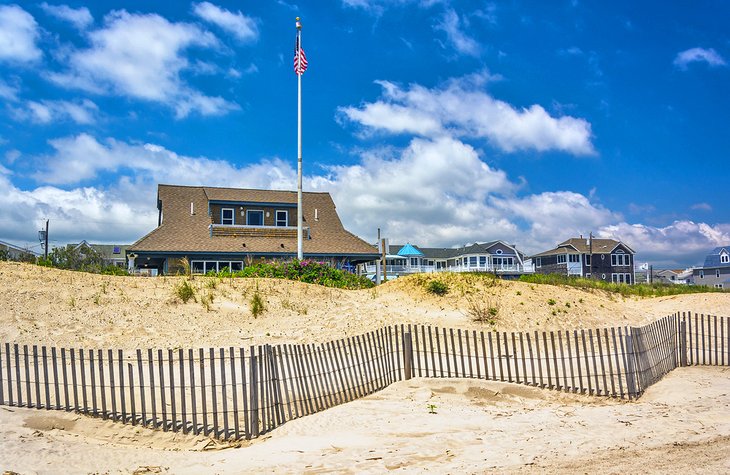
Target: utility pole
45, 250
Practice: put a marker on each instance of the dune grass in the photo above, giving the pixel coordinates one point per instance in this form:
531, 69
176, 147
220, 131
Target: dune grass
639, 290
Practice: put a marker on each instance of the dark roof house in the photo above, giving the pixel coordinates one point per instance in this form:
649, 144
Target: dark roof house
226, 227
604, 259
716, 270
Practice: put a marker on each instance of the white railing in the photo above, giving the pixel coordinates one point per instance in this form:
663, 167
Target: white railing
401, 269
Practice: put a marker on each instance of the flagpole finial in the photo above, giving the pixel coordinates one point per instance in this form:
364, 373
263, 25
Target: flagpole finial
299, 23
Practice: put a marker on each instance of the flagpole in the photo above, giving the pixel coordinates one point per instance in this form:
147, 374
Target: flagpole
300, 253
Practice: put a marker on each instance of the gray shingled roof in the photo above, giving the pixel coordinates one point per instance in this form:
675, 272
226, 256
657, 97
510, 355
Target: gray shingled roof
713, 258
182, 232
581, 246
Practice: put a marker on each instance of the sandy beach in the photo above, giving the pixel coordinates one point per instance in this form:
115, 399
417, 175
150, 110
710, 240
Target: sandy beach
680, 425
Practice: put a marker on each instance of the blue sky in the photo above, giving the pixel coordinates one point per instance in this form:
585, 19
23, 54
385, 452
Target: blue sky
443, 123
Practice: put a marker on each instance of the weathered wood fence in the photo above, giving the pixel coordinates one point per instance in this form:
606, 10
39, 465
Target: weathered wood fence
235, 393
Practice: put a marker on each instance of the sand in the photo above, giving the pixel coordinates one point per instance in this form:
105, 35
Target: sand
681, 424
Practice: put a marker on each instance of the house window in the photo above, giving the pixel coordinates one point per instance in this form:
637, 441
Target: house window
588, 259
574, 258
116, 250
718, 286
603, 276
620, 259
473, 261
561, 258
255, 217
702, 274
498, 251
717, 273
482, 261
725, 258
588, 275
282, 217
538, 262
203, 267
414, 261
227, 216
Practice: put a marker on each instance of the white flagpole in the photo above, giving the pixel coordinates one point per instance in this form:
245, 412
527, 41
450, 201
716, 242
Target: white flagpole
300, 253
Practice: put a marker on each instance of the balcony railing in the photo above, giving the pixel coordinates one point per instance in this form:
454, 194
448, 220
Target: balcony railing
238, 230
497, 269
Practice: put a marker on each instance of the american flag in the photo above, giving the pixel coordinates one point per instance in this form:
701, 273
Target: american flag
300, 59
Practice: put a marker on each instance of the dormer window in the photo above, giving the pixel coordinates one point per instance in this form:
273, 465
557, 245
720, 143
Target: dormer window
498, 251
282, 217
255, 217
724, 257
227, 216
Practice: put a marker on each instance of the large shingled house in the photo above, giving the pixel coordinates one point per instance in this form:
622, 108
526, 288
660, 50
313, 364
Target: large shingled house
228, 227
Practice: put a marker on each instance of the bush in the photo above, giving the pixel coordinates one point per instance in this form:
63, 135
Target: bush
185, 291
257, 304
307, 271
437, 287
482, 311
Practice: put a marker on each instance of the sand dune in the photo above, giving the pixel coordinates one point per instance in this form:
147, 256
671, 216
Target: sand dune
680, 425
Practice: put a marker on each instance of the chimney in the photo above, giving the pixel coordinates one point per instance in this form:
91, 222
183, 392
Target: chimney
192, 209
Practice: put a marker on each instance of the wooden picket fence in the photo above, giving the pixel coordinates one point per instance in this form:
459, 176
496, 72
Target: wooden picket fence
236, 393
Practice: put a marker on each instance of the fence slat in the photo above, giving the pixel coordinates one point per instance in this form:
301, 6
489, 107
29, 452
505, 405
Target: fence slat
133, 414
65, 379
151, 368
570, 362
140, 373
183, 414
120, 359
56, 391
110, 358
244, 392
253, 385
224, 395
163, 406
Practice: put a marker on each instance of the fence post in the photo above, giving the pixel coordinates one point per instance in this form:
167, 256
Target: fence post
407, 356
683, 343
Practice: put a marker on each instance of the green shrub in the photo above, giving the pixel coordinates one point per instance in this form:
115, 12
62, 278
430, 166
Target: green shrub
257, 304
307, 271
185, 291
437, 287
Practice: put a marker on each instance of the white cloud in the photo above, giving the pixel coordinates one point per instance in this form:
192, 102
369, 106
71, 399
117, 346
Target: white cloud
680, 242
80, 18
698, 55
9, 92
451, 24
462, 108
18, 35
702, 206
142, 56
237, 24
46, 112
434, 192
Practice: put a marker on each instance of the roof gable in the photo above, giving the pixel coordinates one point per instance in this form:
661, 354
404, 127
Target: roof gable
409, 250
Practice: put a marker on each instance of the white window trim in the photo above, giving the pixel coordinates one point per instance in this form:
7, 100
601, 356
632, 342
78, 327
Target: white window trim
249, 211
724, 258
717, 273
564, 260
276, 217
233, 216
702, 274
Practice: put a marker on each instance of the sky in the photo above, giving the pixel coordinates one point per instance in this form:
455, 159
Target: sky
442, 123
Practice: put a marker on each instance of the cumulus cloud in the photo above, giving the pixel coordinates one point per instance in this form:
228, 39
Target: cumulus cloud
462, 108
18, 35
684, 241
47, 112
433, 192
237, 24
452, 26
698, 55
80, 18
142, 56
